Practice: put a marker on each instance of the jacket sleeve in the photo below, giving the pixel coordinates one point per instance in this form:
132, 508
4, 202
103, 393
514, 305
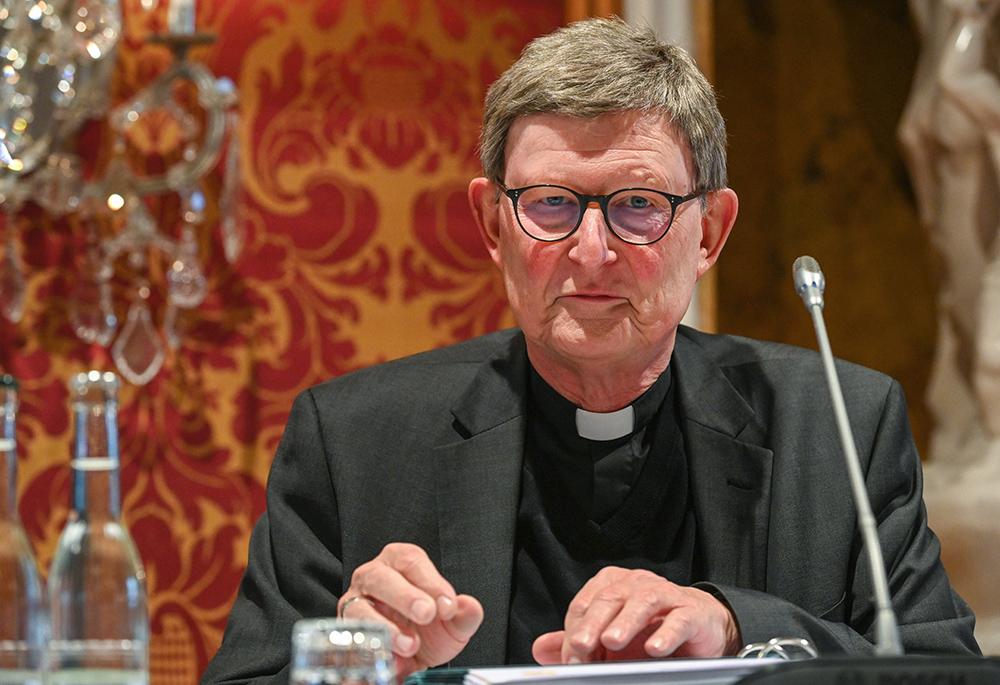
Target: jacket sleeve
932, 617
294, 566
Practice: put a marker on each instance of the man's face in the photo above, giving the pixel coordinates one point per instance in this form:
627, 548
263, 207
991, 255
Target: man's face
592, 298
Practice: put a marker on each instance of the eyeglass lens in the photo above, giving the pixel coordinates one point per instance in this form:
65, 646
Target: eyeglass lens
636, 215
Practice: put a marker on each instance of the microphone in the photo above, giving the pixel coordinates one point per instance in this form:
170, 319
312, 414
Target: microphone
809, 281
810, 284
890, 665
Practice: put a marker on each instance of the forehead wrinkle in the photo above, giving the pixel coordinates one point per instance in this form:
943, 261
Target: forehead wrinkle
607, 171
600, 134
639, 149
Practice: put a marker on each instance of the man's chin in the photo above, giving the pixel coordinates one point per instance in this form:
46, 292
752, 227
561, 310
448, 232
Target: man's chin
593, 343
598, 341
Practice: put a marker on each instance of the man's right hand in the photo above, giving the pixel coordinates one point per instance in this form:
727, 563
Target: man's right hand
429, 622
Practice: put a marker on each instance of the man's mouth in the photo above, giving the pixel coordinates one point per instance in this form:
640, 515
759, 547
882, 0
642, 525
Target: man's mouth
594, 297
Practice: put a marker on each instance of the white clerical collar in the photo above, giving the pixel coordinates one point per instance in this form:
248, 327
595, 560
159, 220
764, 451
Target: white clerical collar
605, 426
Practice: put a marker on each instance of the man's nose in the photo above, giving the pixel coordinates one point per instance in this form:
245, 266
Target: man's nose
592, 247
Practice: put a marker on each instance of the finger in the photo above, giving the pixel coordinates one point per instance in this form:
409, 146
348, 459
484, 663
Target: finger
393, 595
404, 579
679, 627
414, 564
642, 611
583, 636
583, 599
467, 618
346, 603
547, 648
405, 642
699, 626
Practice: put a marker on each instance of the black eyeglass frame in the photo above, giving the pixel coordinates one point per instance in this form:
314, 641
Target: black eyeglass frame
602, 201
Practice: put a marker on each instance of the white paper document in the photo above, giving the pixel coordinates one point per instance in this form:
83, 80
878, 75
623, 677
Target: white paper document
722, 671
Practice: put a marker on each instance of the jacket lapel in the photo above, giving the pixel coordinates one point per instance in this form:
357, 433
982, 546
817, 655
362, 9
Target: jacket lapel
730, 471
478, 495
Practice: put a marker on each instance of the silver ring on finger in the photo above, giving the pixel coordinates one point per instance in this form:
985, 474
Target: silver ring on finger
355, 598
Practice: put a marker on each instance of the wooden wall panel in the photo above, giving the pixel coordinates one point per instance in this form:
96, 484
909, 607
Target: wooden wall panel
812, 92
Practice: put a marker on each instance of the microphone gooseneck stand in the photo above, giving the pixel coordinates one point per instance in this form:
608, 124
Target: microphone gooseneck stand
889, 666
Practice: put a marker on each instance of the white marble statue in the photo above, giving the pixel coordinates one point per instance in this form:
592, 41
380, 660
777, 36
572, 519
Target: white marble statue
950, 133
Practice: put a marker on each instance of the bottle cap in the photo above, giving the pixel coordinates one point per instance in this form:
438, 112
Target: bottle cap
94, 378
100, 386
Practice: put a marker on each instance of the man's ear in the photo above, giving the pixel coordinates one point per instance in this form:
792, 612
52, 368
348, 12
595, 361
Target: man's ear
716, 223
486, 212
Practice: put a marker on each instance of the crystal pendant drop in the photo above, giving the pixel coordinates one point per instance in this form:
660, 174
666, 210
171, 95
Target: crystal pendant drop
233, 237
141, 225
58, 185
186, 285
66, 70
17, 91
139, 352
91, 313
12, 282
193, 205
170, 326
116, 191
97, 24
230, 200
6, 159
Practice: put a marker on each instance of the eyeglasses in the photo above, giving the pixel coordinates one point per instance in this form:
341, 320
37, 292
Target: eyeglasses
638, 216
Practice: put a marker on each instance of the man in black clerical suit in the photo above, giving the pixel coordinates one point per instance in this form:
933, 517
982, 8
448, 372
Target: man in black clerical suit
600, 483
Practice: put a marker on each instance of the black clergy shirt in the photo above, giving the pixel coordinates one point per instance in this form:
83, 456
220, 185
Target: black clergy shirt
589, 504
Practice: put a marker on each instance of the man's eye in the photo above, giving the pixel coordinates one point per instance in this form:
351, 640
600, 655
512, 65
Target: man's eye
555, 200
638, 202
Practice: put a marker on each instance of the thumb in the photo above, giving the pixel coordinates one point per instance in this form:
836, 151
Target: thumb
547, 649
467, 619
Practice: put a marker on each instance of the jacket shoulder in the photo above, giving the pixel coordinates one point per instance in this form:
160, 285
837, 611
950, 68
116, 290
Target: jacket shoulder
432, 376
770, 373
731, 352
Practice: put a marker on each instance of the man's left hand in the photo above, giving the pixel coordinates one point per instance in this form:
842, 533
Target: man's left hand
633, 614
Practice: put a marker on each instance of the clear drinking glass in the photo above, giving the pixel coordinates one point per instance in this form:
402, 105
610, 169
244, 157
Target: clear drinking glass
331, 651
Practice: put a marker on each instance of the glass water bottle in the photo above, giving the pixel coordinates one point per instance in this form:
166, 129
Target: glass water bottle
23, 620
97, 590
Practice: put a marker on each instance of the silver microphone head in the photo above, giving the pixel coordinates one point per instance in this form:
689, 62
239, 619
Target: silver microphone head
809, 281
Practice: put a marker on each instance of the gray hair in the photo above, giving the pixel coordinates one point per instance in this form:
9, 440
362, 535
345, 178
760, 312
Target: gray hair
598, 66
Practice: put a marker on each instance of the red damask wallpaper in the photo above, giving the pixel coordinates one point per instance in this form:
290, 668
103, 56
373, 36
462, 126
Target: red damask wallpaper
359, 128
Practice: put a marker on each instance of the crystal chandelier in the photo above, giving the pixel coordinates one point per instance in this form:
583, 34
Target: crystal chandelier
57, 58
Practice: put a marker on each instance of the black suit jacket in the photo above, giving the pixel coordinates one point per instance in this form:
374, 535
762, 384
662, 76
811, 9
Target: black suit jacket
429, 450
